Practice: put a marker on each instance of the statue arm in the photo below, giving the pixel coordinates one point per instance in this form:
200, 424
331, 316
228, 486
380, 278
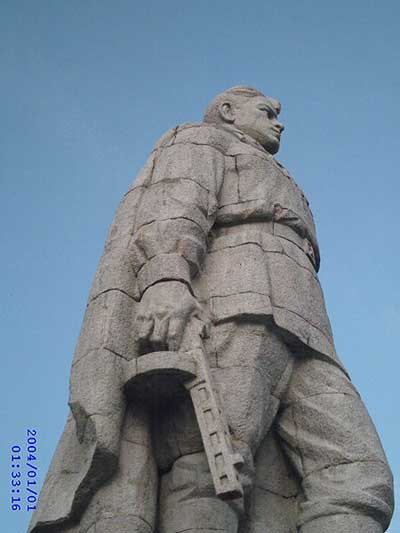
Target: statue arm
175, 216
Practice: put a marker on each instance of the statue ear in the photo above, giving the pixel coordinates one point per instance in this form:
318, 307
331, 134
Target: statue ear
226, 112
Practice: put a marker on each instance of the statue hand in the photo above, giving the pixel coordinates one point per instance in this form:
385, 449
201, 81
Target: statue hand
167, 313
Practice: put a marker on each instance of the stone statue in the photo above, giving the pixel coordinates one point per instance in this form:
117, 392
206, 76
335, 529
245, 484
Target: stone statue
213, 252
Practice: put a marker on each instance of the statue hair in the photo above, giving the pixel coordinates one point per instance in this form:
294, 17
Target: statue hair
232, 95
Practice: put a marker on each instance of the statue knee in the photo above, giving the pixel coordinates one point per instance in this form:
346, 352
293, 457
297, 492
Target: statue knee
345, 523
333, 494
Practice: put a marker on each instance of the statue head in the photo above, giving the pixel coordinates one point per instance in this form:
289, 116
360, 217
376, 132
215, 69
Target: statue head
249, 111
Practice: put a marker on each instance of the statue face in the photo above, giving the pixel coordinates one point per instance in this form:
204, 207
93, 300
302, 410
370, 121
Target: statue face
258, 117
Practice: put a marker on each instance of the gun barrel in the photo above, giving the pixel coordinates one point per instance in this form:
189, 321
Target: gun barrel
223, 462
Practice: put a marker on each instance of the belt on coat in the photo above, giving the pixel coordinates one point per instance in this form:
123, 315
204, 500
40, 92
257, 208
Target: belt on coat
241, 233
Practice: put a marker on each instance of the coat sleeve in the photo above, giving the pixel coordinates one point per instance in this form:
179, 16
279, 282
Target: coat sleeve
177, 211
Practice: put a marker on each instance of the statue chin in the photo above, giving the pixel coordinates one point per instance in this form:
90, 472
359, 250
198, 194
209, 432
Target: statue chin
272, 146
272, 149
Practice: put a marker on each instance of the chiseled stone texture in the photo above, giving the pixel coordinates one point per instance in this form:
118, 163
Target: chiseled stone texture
214, 243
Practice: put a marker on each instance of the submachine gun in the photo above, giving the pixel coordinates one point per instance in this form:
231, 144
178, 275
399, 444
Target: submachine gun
191, 369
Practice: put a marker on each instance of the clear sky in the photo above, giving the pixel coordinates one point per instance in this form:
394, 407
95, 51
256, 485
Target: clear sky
86, 89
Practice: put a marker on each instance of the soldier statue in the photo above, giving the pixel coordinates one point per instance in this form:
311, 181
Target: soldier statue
214, 249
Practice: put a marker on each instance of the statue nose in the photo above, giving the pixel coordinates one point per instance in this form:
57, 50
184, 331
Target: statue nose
280, 126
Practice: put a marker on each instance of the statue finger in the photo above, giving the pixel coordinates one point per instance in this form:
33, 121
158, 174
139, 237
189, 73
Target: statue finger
159, 335
175, 333
144, 327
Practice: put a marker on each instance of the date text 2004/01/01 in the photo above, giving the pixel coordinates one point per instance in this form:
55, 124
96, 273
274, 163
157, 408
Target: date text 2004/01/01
25, 457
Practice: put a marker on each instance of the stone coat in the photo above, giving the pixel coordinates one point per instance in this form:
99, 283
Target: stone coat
210, 208
223, 215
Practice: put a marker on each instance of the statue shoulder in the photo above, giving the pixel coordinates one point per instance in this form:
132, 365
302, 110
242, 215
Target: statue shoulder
196, 133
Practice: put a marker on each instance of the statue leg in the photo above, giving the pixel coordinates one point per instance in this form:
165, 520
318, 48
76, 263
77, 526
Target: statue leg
188, 502
331, 441
248, 360
345, 523
187, 499
251, 363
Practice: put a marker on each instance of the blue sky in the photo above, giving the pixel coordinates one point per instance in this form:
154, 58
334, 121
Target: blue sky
86, 90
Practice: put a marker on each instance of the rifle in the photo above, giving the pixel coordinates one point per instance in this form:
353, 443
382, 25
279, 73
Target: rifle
192, 370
